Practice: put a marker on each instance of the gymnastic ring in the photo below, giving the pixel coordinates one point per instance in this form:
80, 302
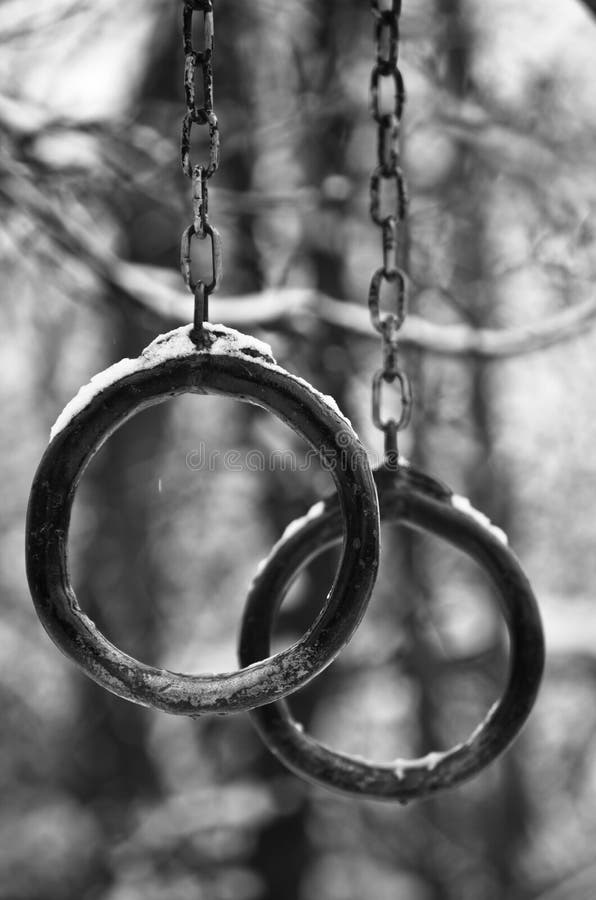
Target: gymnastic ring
416, 500
230, 364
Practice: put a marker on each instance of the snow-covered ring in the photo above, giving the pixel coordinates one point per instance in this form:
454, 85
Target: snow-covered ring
428, 762
457, 501
432, 760
464, 505
177, 344
295, 525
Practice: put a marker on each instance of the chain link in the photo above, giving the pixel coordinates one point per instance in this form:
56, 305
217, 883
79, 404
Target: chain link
199, 173
388, 211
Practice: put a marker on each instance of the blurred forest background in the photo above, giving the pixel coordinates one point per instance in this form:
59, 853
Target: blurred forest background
101, 799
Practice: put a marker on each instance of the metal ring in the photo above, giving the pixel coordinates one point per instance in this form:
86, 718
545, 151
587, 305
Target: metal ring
395, 277
387, 25
229, 364
376, 180
216, 257
380, 377
398, 96
420, 502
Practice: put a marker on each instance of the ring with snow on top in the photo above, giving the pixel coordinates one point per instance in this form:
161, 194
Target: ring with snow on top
411, 498
229, 364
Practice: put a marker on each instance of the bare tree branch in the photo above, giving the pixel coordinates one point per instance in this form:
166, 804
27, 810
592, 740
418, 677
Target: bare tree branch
158, 290
161, 293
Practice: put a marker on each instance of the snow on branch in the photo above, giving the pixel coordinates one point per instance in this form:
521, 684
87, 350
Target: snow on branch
160, 293
158, 290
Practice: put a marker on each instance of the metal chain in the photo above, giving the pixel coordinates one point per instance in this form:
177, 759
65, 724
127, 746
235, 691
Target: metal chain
389, 215
199, 173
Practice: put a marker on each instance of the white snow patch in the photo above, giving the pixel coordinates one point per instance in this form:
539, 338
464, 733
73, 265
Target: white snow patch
297, 524
326, 398
174, 345
88, 391
482, 725
432, 760
464, 505
313, 513
261, 566
428, 762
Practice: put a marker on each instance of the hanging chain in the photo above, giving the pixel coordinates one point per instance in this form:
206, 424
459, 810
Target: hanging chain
387, 179
199, 173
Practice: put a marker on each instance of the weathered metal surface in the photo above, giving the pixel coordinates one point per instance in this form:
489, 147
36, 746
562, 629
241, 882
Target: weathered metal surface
244, 372
414, 499
200, 173
389, 215
199, 114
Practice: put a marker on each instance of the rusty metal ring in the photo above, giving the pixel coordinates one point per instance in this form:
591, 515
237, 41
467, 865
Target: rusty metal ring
420, 502
229, 364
